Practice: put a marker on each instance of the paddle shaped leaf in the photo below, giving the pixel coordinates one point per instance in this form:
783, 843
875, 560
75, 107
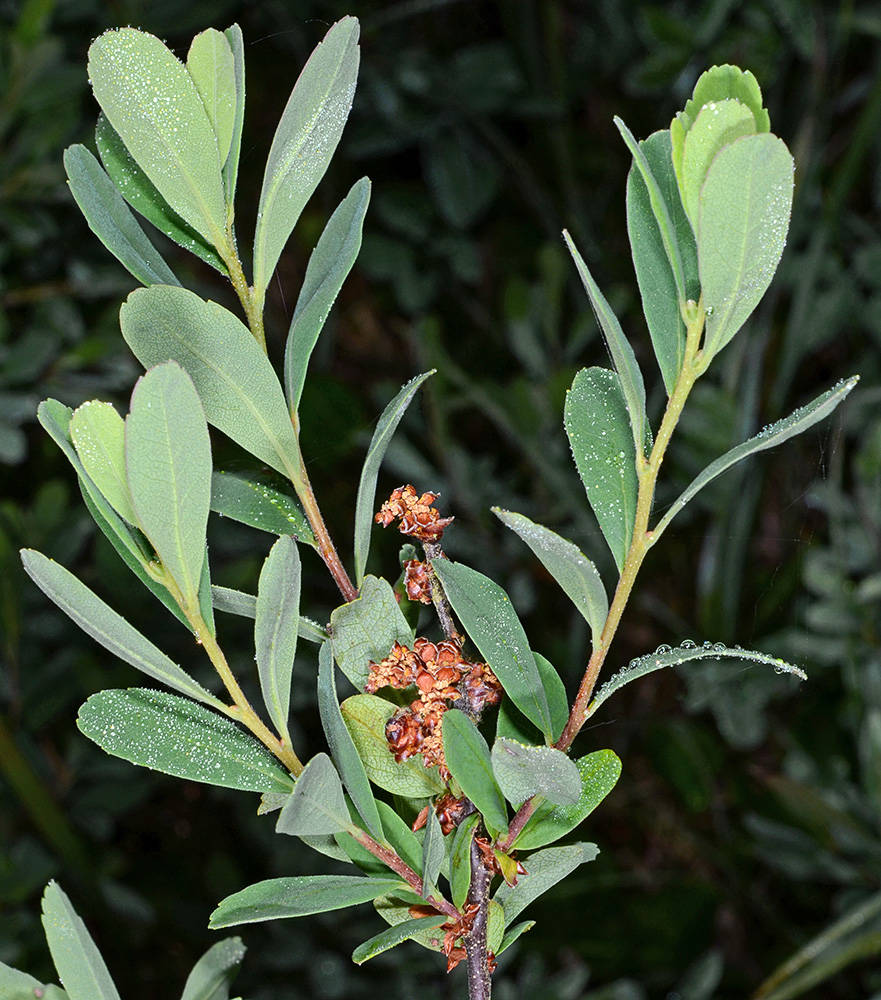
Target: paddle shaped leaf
598, 771
168, 463
212, 974
469, 761
545, 869
258, 505
111, 220
657, 284
103, 624
305, 140
299, 896
366, 716
772, 435
235, 380
382, 436
98, 434
81, 969
341, 745
629, 375
597, 425
686, 653
523, 771
211, 65
568, 565
179, 737
275, 629
328, 267
318, 804
743, 219
366, 629
388, 939
486, 612
152, 103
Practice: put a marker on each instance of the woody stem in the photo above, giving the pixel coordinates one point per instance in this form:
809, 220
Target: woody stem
434, 551
476, 944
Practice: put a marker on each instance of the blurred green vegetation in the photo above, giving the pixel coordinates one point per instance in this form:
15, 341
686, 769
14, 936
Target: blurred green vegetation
747, 818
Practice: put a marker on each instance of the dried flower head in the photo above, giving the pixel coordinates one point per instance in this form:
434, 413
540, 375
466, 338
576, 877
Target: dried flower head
417, 582
416, 512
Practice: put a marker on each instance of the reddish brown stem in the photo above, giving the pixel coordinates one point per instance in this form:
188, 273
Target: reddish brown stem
476, 944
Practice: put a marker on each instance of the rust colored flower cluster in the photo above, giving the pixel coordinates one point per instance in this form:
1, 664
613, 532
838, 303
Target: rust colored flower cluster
444, 679
449, 810
455, 932
417, 582
417, 515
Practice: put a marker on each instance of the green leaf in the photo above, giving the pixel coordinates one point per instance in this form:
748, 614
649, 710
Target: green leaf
98, 434
81, 968
342, 747
231, 167
382, 436
602, 446
318, 804
659, 208
720, 82
259, 505
275, 630
329, 265
139, 191
460, 860
299, 896
629, 375
657, 284
111, 220
152, 103
177, 736
237, 602
210, 63
365, 716
366, 629
105, 626
398, 934
401, 837
168, 460
544, 870
568, 565
555, 692
512, 933
664, 656
599, 771
523, 771
15, 985
235, 380
489, 619
495, 926
772, 435
434, 853
469, 761
745, 204
304, 142
215, 970
717, 125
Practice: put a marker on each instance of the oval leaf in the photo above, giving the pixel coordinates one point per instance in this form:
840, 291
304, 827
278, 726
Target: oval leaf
523, 771
299, 896
318, 804
258, 505
210, 64
469, 761
486, 612
304, 142
598, 771
460, 860
81, 969
568, 565
98, 434
745, 204
365, 716
328, 267
341, 745
152, 103
168, 462
176, 736
103, 624
236, 382
599, 435
275, 630
111, 220
215, 970
382, 436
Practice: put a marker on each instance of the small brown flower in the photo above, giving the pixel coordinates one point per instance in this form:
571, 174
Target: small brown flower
450, 811
455, 930
481, 688
398, 670
417, 515
417, 582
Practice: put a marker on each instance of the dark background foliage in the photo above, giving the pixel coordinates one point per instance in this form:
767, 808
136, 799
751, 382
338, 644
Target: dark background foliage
747, 816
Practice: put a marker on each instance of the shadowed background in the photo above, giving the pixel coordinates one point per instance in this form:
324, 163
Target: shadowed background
747, 817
